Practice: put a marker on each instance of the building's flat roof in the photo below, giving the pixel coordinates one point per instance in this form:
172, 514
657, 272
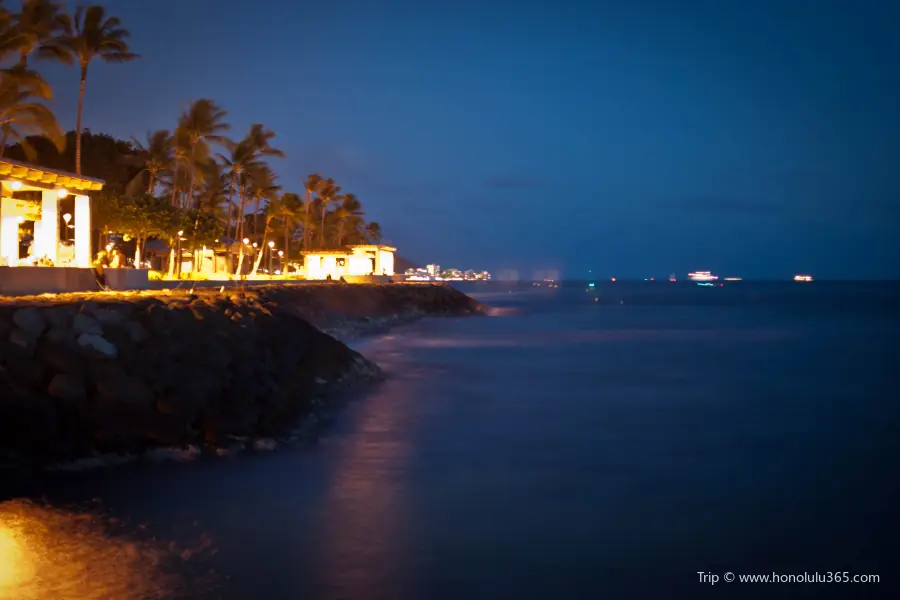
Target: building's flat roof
47, 177
323, 252
373, 247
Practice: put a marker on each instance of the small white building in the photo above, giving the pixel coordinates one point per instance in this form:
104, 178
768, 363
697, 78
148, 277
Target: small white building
31, 197
45, 233
363, 260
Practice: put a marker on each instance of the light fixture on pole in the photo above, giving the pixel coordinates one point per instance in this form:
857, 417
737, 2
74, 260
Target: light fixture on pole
16, 185
62, 193
67, 217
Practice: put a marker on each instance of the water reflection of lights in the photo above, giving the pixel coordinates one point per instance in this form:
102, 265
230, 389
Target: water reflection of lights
49, 554
366, 529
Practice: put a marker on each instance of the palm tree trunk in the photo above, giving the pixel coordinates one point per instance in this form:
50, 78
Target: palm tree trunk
322, 232
230, 210
190, 197
150, 184
340, 236
137, 253
287, 224
306, 220
262, 247
239, 226
255, 213
175, 183
78, 122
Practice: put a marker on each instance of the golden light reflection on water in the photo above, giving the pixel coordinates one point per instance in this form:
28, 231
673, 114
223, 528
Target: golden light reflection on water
51, 554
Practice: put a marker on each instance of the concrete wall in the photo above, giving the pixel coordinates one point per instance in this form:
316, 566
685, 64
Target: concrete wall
20, 281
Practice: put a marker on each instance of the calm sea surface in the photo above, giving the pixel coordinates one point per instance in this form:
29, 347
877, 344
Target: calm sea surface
564, 448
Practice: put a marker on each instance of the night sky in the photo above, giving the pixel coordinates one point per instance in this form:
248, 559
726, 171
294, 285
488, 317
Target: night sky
634, 138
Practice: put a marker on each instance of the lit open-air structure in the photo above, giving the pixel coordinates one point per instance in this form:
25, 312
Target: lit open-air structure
356, 263
32, 258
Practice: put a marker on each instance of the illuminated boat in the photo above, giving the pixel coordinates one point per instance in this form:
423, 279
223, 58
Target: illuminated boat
702, 276
672, 277
803, 278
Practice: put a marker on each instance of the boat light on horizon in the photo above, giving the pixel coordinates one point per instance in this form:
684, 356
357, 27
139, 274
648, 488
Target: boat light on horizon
803, 278
702, 276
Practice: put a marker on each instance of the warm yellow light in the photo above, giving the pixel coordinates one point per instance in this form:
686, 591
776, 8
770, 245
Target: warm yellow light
271, 244
280, 253
254, 244
180, 233
16, 186
20, 219
246, 240
67, 217
62, 192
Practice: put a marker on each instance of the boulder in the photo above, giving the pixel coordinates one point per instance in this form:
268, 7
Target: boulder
69, 388
109, 316
23, 338
59, 316
83, 324
115, 387
98, 344
136, 332
30, 320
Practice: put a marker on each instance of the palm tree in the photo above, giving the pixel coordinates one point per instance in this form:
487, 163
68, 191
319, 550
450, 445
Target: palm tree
349, 209
314, 183
262, 186
273, 209
289, 210
234, 164
373, 232
156, 155
89, 34
328, 192
202, 123
37, 28
21, 113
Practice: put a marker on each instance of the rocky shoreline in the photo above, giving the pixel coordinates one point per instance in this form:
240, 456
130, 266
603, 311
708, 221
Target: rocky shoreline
131, 374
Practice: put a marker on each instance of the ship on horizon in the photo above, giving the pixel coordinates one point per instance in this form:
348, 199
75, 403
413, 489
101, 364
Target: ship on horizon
803, 278
702, 276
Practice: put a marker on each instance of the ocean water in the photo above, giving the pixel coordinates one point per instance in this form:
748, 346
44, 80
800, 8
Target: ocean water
573, 445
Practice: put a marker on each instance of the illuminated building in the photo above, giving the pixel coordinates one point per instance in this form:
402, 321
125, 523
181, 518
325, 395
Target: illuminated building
433, 270
45, 233
357, 261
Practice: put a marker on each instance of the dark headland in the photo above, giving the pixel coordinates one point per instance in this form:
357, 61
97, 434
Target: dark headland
84, 375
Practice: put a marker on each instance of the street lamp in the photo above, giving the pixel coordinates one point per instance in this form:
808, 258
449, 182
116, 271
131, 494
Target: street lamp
67, 217
281, 261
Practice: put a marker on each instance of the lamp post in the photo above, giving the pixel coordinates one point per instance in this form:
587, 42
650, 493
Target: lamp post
67, 217
281, 261
271, 246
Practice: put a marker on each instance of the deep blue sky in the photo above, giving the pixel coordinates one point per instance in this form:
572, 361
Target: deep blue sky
753, 138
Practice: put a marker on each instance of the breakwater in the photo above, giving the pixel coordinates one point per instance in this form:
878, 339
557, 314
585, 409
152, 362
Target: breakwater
89, 374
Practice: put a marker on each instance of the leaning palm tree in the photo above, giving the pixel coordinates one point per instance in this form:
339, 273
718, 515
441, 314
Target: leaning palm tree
89, 34
155, 155
273, 209
349, 209
314, 183
202, 123
37, 28
262, 186
22, 114
328, 192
